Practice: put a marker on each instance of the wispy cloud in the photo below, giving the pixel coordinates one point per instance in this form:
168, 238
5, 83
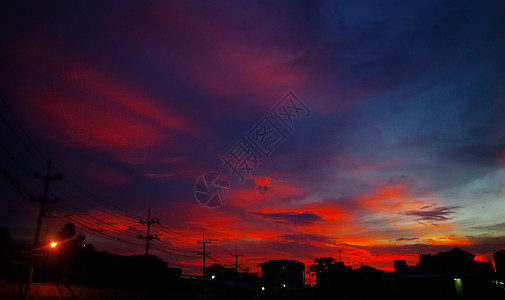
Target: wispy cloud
406, 239
492, 227
436, 214
305, 218
307, 238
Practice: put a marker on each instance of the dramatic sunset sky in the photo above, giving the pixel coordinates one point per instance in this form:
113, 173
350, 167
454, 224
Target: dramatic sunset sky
402, 153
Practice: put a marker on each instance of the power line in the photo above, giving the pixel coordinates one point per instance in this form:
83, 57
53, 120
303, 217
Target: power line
13, 182
83, 200
37, 154
90, 230
85, 196
176, 254
25, 170
35, 151
175, 234
114, 210
100, 226
169, 246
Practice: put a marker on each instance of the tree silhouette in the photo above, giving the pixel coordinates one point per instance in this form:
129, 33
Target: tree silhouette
329, 272
68, 235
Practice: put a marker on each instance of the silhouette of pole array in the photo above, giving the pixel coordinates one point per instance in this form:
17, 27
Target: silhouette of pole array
149, 237
203, 253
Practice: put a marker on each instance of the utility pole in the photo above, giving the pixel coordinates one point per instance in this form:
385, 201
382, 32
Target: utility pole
43, 200
339, 256
308, 271
42, 213
148, 238
203, 253
236, 255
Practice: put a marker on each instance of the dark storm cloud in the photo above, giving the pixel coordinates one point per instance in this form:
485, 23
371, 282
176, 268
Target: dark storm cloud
442, 213
407, 239
305, 218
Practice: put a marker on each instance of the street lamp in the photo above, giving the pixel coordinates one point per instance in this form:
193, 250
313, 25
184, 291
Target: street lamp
32, 267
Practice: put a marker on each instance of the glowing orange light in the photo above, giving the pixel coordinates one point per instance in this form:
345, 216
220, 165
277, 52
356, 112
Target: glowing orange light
53, 244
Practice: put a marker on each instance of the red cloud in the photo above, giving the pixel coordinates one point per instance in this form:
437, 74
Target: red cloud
86, 79
91, 123
238, 66
101, 113
83, 106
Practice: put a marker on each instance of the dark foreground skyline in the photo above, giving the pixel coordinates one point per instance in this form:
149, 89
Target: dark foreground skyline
395, 147
72, 268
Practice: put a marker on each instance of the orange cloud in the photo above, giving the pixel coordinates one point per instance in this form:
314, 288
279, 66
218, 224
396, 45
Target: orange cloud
449, 240
388, 200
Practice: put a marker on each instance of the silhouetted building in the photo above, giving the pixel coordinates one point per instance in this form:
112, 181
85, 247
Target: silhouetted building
218, 272
446, 275
455, 260
249, 277
401, 265
282, 274
369, 282
367, 269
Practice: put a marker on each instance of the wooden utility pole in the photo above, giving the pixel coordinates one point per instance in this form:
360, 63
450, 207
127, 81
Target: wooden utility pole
236, 255
43, 200
148, 238
42, 213
203, 253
